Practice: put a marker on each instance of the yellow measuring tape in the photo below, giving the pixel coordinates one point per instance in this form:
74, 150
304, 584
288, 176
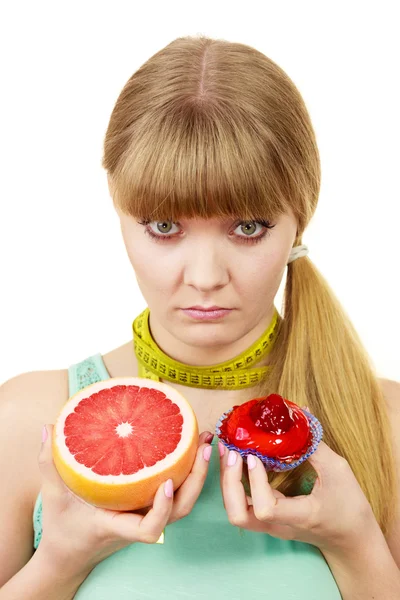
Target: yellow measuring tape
233, 374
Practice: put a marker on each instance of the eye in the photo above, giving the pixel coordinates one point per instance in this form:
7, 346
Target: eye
164, 227
249, 227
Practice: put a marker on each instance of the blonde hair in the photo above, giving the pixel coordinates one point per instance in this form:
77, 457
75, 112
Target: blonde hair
208, 128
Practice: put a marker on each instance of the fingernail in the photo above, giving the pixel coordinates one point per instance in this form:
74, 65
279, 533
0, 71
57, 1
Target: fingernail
209, 438
251, 462
169, 488
207, 453
231, 458
44, 434
221, 449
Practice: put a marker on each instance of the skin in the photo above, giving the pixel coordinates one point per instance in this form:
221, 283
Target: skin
204, 264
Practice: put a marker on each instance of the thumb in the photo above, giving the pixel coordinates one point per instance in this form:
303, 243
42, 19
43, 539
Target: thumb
50, 475
327, 463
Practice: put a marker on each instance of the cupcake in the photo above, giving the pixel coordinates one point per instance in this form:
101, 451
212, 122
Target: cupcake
273, 428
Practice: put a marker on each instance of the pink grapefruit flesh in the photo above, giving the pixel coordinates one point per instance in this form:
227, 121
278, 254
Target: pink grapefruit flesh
116, 441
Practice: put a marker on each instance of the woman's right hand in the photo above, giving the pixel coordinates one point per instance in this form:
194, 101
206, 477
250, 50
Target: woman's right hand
77, 535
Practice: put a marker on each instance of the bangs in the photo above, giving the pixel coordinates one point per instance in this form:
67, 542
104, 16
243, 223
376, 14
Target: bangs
190, 165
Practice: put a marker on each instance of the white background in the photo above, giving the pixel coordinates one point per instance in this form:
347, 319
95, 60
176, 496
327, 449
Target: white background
67, 287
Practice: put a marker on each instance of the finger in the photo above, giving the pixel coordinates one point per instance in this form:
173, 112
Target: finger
233, 492
147, 528
273, 508
264, 501
328, 464
189, 491
152, 525
205, 437
51, 480
242, 516
181, 496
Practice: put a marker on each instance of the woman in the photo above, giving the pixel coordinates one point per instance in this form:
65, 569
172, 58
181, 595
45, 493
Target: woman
214, 171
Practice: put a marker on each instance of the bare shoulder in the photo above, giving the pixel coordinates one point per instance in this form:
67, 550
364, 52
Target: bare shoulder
391, 392
35, 394
27, 402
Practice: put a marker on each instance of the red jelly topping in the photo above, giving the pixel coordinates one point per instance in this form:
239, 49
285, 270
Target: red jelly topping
272, 425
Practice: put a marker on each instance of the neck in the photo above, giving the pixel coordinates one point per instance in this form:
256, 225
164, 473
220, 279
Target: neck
208, 349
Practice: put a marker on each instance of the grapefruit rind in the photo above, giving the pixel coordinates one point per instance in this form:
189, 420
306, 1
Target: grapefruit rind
126, 492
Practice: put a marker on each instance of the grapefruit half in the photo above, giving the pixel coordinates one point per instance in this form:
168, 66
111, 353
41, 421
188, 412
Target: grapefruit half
115, 441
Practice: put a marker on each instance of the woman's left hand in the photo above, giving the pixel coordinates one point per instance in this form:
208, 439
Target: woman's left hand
335, 517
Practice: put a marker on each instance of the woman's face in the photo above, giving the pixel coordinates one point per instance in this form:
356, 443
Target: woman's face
208, 262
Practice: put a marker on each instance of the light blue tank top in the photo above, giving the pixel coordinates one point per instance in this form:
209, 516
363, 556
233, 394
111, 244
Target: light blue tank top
203, 556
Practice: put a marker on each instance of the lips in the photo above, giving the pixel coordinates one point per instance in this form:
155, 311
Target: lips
206, 315
208, 308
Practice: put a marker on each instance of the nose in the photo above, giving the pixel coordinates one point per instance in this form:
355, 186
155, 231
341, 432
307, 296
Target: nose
205, 267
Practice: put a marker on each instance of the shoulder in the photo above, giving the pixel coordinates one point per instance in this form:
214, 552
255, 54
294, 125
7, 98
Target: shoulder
391, 392
30, 400
27, 402
36, 392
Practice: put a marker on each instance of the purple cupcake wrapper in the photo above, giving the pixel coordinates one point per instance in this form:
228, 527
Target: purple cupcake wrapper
272, 464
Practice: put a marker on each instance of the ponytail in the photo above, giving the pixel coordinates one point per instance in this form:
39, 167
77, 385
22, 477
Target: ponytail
318, 360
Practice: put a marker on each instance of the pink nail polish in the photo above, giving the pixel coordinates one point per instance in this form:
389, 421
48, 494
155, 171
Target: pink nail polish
231, 458
221, 449
169, 488
209, 438
44, 434
251, 462
207, 453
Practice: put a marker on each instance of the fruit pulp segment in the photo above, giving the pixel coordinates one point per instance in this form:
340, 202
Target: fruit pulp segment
123, 429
